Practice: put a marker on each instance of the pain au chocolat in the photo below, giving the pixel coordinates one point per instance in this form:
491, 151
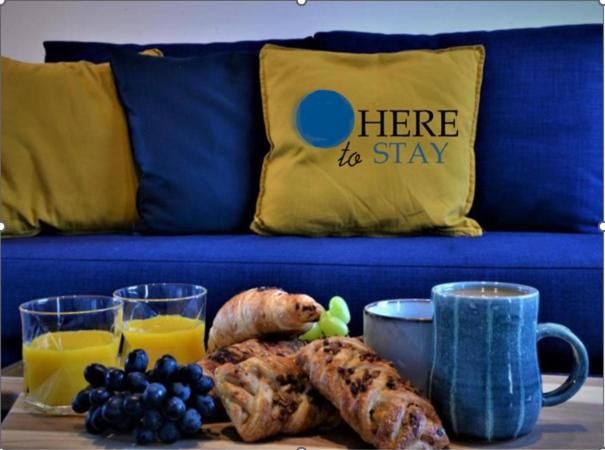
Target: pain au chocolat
369, 394
236, 353
267, 396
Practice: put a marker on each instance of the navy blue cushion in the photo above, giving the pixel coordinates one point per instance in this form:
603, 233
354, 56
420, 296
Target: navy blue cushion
198, 138
100, 52
539, 145
566, 268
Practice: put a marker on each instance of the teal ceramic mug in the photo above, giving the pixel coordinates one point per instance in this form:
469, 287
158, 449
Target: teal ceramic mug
485, 381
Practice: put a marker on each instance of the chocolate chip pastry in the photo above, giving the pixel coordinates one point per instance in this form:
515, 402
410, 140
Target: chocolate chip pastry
236, 353
267, 396
261, 311
383, 408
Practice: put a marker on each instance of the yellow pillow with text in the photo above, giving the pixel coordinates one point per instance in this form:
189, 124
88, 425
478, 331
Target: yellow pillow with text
369, 144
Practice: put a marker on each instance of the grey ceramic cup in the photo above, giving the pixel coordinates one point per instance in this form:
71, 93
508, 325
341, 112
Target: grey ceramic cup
401, 331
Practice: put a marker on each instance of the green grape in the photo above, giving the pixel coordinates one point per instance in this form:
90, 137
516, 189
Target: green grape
339, 309
313, 333
332, 326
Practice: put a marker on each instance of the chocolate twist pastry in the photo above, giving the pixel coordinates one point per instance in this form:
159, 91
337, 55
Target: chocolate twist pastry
383, 408
236, 353
261, 311
267, 396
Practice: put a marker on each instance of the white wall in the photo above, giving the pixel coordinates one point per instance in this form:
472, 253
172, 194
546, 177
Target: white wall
25, 24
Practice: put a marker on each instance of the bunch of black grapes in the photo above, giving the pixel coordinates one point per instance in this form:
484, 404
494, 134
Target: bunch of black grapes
162, 404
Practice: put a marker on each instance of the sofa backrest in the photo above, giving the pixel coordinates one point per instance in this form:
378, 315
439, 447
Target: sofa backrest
539, 147
100, 52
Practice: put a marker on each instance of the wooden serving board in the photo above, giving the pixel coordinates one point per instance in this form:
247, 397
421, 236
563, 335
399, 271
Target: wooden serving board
575, 424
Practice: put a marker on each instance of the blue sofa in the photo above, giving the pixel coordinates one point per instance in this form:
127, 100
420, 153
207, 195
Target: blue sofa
539, 196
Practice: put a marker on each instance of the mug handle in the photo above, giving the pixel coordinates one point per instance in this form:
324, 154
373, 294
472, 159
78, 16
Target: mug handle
579, 372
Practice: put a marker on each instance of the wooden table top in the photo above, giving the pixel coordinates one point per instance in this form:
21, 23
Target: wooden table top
577, 424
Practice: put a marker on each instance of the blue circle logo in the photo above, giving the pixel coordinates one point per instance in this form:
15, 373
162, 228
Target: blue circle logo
324, 118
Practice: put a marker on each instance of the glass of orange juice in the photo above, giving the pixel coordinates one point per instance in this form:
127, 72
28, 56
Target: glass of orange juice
61, 336
164, 318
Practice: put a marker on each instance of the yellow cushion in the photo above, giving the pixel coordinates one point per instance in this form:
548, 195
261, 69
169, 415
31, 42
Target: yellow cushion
321, 110
66, 159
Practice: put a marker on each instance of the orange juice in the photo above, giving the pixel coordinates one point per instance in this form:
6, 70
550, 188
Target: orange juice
176, 335
54, 363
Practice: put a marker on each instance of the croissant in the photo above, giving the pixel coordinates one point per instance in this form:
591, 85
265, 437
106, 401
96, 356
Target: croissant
371, 397
260, 311
267, 396
241, 351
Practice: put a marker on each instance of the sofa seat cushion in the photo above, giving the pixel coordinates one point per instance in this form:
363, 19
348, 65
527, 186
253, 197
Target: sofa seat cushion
566, 268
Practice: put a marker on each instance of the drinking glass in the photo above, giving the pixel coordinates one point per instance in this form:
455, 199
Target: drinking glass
61, 336
164, 318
